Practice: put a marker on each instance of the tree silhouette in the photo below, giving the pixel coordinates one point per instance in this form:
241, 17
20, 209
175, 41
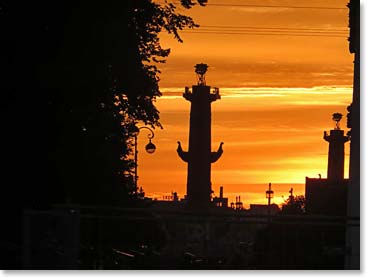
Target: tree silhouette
112, 86
294, 205
76, 77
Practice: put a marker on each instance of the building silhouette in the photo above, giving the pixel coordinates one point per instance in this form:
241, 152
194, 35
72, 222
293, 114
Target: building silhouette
199, 157
329, 195
352, 257
263, 209
220, 201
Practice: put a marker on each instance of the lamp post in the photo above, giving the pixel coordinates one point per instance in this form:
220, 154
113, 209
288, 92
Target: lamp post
269, 196
150, 148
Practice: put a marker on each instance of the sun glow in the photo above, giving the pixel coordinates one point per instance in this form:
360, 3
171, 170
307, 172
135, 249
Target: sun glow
266, 138
278, 95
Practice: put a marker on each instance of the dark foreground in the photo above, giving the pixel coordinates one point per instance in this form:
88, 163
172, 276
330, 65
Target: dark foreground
102, 238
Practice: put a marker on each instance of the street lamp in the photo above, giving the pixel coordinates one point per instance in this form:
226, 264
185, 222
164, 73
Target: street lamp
269, 196
150, 148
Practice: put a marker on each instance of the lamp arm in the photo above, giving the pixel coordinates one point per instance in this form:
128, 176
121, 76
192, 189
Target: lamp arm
151, 135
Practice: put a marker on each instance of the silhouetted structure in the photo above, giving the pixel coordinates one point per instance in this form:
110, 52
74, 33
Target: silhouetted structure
269, 196
353, 206
238, 204
328, 196
199, 157
291, 196
150, 148
336, 140
220, 201
263, 209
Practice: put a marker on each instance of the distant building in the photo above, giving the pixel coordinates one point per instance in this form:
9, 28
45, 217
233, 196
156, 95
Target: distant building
167, 205
220, 201
263, 209
352, 260
328, 196
238, 204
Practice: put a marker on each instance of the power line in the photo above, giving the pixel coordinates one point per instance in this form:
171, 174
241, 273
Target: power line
272, 28
273, 31
263, 34
260, 34
266, 6
276, 6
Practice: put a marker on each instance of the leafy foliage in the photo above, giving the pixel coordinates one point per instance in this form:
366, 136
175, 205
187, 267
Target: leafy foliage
294, 205
135, 95
76, 79
107, 78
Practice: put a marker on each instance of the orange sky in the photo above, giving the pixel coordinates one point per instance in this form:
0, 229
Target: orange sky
278, 94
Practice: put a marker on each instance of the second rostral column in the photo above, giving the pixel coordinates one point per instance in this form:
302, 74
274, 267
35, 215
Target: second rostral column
199, 157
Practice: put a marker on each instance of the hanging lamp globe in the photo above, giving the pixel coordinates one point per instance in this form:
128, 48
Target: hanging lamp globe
150, 147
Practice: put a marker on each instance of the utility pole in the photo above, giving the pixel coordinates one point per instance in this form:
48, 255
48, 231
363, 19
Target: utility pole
269, 196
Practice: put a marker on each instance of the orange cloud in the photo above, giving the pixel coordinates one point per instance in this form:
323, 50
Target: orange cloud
278, 94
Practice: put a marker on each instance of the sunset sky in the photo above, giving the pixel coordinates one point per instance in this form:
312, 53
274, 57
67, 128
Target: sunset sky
281, 71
